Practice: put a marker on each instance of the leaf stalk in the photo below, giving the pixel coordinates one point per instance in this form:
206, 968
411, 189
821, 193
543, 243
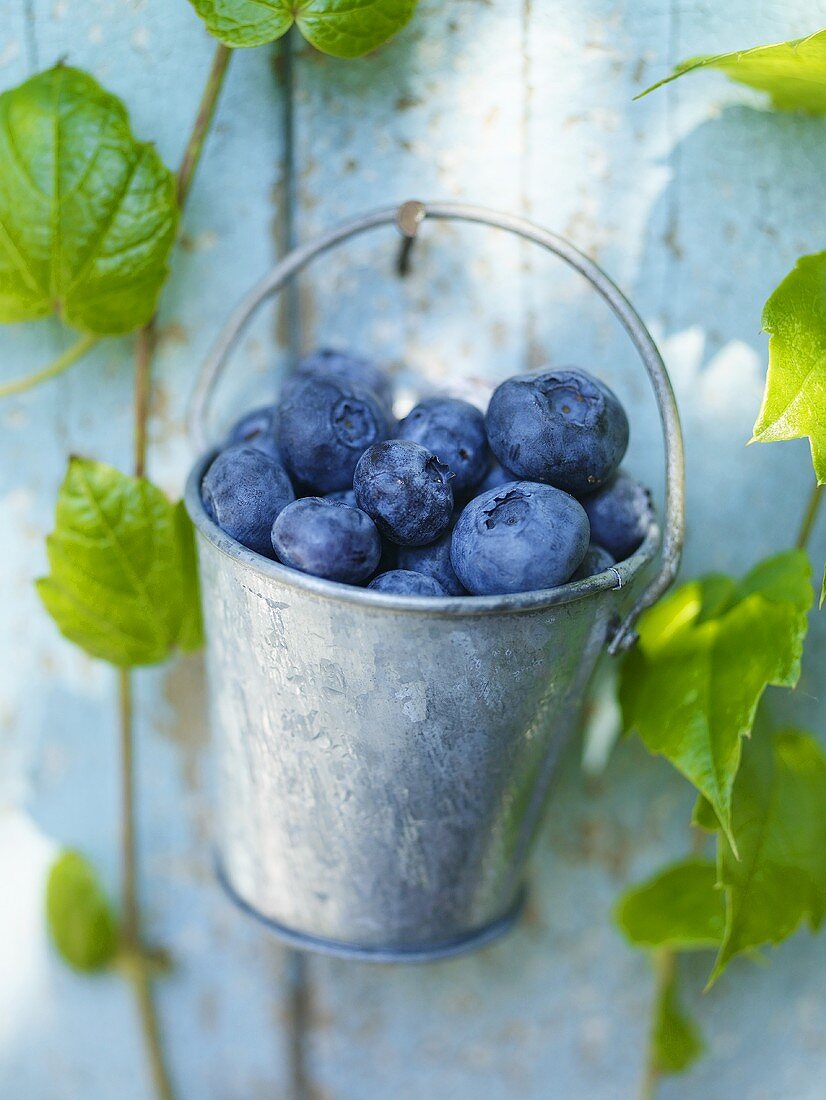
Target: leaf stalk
65, 360
809, 517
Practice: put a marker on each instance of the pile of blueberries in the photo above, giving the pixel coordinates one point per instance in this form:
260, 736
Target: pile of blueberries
449, 501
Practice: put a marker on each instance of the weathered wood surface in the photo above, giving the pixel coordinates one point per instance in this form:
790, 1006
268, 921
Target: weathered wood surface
697, 203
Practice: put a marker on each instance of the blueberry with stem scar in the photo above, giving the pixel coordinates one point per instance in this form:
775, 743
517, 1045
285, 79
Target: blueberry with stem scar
522, 537
562, 427
323, 427
405, 490
352, 370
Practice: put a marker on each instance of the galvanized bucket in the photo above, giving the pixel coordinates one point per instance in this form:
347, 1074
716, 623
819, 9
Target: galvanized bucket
383, 762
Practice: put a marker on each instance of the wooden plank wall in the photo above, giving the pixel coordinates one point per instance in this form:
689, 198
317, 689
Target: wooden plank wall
697, 203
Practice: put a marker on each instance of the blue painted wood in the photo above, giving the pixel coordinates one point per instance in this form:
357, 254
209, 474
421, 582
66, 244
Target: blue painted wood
698, 203
61, 1036
688, 203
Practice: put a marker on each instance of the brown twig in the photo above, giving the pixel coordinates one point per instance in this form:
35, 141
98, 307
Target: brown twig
138, 961
136, 967
203, 121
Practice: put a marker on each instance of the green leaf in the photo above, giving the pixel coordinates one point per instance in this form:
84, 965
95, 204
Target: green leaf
706, 654
246, 22
351, 28
680, 907
123, 582
80, 919
703, 817
779, 822
343, 28
87, 214
675, 1041
794, 401
793, 73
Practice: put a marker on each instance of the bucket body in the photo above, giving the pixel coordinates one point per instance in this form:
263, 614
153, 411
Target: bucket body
384, 761
383, 768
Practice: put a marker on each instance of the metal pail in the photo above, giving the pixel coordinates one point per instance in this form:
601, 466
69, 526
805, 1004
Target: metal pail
383, 762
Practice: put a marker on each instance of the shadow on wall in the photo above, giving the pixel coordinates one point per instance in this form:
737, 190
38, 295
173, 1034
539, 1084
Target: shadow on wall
745, 200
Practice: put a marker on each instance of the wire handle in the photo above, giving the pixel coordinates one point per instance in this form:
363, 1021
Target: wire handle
408, 219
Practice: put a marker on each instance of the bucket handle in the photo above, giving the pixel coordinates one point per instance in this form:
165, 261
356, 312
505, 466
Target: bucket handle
408, 219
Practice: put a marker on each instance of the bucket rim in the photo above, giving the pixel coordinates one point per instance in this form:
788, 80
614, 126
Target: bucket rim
615, 579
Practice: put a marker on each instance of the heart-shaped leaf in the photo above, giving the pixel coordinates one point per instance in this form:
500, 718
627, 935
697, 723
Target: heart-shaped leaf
779, 823
80, 919
706, 655
343, 28
123, 583
793, 73
87, 214
794, 402
680, 907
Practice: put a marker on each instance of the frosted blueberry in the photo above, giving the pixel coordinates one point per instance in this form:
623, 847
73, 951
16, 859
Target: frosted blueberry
561, 427
243, 491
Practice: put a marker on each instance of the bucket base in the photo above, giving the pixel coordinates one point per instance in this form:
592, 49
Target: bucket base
429, 952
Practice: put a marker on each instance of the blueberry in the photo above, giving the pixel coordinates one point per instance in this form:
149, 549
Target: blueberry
521, 537
327, 539
243, 491
620, 514
405, 490
495, 477
404, 582
454, 430
342, 496
323, 425
562, 427
433, 561
596, 560
256, 429
350, 369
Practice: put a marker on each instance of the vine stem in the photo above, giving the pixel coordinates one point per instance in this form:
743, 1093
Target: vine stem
664, 960
135, 963
140, 963
809, 517
130, 922
146, 339
144, 352
57, 366
203, 121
